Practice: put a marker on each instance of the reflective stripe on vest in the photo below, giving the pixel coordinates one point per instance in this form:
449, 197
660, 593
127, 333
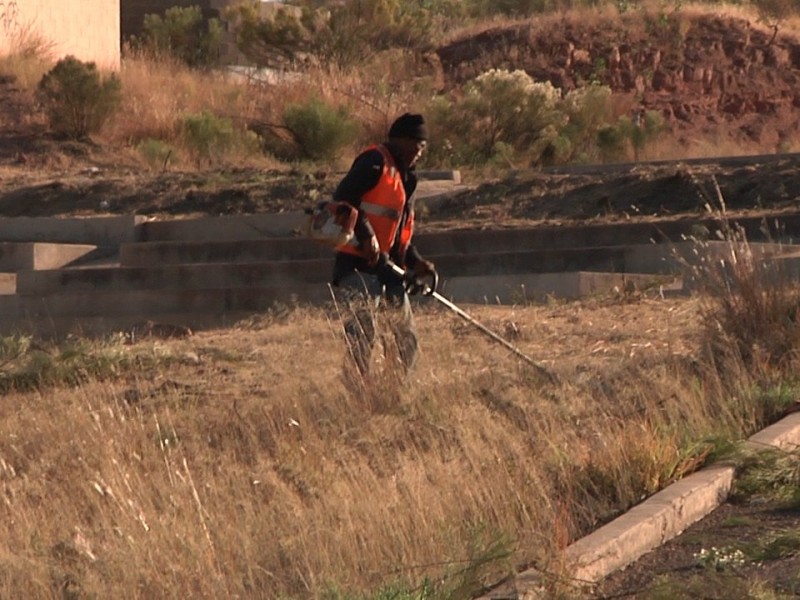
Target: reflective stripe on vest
383, 206
380, 211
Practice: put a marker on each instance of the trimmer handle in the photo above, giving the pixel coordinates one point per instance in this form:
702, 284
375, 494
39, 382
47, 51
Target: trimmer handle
425, 285
415, 285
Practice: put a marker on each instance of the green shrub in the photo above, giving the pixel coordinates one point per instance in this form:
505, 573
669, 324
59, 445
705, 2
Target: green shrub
206, 135
588, 109
76, 99
156, 153
611, 142
319, 130
185, 34
501, 116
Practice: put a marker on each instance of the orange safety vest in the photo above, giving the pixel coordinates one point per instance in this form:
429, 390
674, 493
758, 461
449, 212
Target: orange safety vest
384, 205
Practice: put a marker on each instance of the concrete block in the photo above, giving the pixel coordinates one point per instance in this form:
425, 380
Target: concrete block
18, 256
650, 524
176, 277
655, 521
784, 434
99, 231
225, 228
433, 175
240, 251
8, 283
523, 288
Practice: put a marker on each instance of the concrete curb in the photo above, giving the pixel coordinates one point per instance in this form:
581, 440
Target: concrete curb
650, 524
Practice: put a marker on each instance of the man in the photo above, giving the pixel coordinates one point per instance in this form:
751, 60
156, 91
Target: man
381, 183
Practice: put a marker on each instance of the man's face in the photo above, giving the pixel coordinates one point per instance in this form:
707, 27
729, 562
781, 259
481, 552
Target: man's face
411, 150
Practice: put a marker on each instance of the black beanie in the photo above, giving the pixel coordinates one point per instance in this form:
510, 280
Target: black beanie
409, 126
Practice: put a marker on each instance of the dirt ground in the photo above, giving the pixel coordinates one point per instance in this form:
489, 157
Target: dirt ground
676, 569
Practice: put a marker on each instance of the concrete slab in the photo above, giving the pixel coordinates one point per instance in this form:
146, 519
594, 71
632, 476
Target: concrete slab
474, 272
239, 251
538, 287
226, 228
8, 283
651, 523
19, 256
786, 230
99, 231
172, 277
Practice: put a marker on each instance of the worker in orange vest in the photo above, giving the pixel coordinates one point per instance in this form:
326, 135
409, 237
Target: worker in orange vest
380, 184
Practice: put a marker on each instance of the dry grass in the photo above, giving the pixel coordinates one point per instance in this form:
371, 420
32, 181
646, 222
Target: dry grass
243, 466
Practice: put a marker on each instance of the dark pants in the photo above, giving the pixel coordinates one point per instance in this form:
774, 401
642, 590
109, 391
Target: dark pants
362, 296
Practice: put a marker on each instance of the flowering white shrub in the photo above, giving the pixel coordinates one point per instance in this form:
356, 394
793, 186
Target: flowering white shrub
510, 108
720, 559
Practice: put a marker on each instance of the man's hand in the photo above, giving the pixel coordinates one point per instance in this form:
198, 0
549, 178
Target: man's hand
372, 250
423, 267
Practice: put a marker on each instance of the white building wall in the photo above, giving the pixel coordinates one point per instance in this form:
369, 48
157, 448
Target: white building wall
87, 29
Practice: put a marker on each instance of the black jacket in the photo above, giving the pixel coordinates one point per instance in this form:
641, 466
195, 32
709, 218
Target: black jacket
363, 175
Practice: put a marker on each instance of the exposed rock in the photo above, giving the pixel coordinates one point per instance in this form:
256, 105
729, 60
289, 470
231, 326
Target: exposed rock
673, 63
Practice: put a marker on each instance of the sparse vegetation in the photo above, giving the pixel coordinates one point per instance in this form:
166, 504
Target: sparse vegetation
236, 463
309, 49
76, 98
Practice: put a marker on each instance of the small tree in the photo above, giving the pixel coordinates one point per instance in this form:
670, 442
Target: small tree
185, 34
76, 99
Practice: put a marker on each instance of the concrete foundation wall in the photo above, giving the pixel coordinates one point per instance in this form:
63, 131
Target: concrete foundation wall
32, 256
86, 29
99, 231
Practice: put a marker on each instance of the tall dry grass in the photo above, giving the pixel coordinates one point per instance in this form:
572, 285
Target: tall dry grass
241, 465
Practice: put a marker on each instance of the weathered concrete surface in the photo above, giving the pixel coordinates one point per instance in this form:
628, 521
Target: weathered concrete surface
648, 525
98, 231
474, 272
239, 251
651, 523
172, 277
537, 287
18, 256
86, 29
8, 283
230, 228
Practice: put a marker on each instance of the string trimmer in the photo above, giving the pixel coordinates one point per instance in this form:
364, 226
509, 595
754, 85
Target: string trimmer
414, 285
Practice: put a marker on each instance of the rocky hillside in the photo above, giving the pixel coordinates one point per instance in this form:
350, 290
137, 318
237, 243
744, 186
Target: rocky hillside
716, 77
